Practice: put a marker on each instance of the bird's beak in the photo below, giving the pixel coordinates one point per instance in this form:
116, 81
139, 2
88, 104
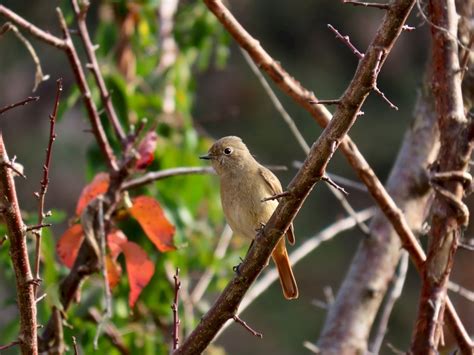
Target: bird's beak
206, 157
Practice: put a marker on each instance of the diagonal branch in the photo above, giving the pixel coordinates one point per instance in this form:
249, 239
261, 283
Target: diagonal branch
303, 97
299, 188
81, 14
19, 256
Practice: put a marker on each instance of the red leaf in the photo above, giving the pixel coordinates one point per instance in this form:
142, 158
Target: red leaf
146, 150
140, 269
115, 239
114, 271
98, 186
148, 212
68, 245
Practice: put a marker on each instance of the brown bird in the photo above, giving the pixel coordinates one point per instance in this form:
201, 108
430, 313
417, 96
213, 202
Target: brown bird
244, 184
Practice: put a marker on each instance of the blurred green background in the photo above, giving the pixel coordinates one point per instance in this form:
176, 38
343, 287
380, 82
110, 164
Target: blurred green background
216, 94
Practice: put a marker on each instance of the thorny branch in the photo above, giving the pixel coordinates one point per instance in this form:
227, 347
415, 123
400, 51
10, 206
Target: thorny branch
20, 103
19, 256
81, 14
174, 307
44, 183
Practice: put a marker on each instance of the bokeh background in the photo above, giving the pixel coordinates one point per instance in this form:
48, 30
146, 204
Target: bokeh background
228, 100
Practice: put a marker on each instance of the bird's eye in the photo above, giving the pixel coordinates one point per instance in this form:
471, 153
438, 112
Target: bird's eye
228, 151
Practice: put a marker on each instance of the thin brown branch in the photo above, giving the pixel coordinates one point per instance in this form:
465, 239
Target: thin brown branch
81, 14
9, 345
45, 182
103, 268
465, 59
32, 29
19, 256
275, 197
347, 41
74, 345
446, 222
244, 324
330, 182
174, 307
91, 108
20, 103
367, 4
163, 174
313, 169
38, 226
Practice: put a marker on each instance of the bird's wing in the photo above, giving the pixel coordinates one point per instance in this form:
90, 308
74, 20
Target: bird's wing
275, 188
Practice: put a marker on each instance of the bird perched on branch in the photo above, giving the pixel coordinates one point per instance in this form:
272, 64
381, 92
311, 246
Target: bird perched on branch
245, 184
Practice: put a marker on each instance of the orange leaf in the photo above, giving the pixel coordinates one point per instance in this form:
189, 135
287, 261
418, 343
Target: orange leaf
148, 212
114, 271
140, 269
114, 241
68, 245
98, 186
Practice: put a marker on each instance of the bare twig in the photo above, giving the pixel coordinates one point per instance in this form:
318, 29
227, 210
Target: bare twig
174, 307
107, 292
110, 332
38, 226
275, 197
32, 29
91, 108
45, 182
237, 319
19, 256
392, 297
330, 182
9, 345
20, 103
206, 277
81, 14
446, 223
74, 344
347, 41
466, 246
465, 59
368, 4
325, 102
163, 174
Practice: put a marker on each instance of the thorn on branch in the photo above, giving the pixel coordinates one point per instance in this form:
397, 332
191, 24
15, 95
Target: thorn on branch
15, 168
367, 4
347, 41
20, 103
247, 327
275, 197
38, 226
330, 182
40, 298
325, 102
3, 240
174, 307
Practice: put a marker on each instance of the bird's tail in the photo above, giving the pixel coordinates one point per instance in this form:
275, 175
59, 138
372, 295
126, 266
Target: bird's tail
287, 279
